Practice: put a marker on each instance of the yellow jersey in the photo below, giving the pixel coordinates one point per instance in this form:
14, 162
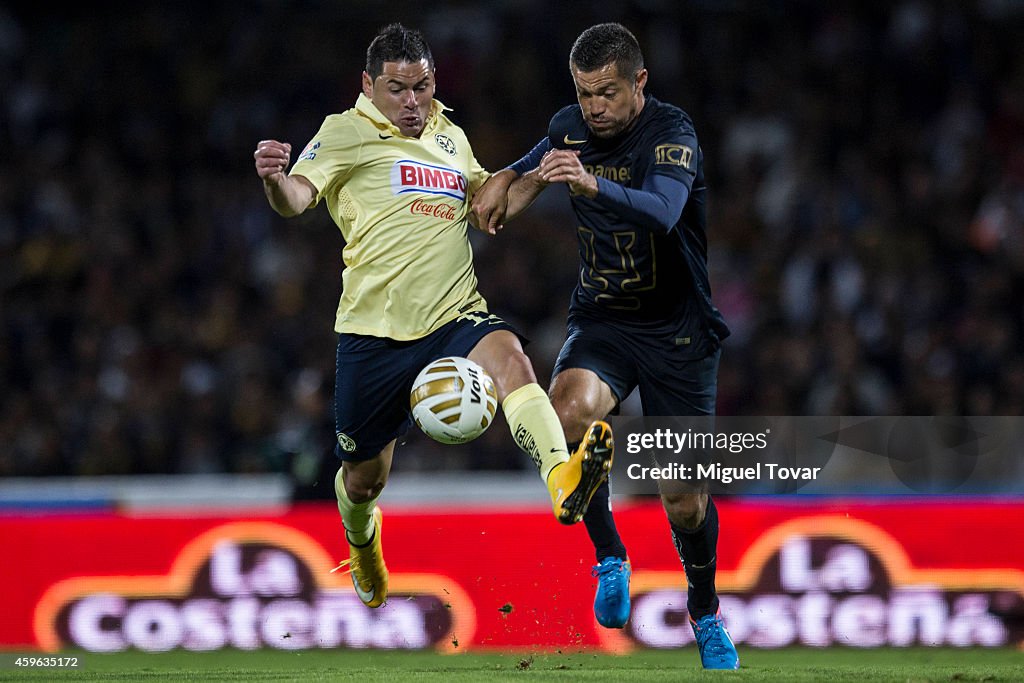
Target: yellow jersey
401, 204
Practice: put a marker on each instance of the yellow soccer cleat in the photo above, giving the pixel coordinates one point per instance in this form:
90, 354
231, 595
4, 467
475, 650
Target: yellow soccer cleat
572, 484
366, 565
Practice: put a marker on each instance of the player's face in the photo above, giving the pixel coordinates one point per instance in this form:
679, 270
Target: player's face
610, 101
402, 93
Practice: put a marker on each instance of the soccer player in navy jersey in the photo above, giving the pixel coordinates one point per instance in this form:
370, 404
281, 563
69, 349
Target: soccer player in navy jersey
641, 315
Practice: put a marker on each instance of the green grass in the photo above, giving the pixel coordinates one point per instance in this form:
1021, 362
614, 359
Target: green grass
918, 665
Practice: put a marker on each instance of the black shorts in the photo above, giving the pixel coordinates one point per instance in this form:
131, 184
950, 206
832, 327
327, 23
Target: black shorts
624, 360
373, 377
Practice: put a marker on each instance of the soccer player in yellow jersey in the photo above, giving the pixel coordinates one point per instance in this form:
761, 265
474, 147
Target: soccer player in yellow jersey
397, 176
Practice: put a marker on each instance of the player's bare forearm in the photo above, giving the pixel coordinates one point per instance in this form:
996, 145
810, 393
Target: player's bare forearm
288, 195
522, 192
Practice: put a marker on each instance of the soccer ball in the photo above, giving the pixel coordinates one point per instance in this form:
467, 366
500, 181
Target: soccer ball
453, 400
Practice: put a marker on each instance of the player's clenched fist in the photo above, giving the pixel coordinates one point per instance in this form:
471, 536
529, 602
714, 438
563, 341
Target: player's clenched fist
289, 195
272, 159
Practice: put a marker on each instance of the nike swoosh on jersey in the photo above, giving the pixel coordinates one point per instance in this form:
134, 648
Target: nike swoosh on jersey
365, 596
567, 141
384, 137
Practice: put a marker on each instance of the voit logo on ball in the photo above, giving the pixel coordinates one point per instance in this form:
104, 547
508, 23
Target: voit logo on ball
249, 585
829, 580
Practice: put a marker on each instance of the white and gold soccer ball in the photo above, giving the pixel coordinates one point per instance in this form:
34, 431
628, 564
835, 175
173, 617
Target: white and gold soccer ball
453, 400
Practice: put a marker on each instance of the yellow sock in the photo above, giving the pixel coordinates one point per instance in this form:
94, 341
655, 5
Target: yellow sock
357, 518
535, 427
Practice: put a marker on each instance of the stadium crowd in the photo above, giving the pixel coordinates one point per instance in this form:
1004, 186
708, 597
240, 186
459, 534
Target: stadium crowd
866, 214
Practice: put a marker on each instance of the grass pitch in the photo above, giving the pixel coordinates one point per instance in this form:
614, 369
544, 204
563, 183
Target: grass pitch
917, 665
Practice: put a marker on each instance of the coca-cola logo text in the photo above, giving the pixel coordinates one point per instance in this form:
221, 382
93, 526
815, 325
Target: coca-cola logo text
424, 208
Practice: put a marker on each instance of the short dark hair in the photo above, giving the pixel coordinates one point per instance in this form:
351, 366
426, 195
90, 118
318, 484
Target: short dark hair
396, 43
603, 44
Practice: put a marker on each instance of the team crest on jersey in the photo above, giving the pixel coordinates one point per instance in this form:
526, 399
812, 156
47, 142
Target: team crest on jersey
446, 143
310, 152
346, 442
414, 176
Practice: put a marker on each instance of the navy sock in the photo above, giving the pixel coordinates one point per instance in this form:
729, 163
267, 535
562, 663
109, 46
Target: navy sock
601, 526
697, 550
600, 523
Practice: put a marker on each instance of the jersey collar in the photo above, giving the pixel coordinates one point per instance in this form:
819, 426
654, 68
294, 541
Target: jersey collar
366, 107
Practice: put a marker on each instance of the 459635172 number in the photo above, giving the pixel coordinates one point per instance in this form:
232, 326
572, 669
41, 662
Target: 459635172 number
46, 662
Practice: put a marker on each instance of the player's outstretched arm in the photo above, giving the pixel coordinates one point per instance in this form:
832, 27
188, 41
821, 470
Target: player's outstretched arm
288, 195
510, 191
504, 196
490, 202
522, 192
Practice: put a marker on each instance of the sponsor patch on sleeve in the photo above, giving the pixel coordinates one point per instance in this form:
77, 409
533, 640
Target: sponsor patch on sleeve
673, 155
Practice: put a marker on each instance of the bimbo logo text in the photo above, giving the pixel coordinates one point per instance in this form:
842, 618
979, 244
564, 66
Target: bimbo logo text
414, 176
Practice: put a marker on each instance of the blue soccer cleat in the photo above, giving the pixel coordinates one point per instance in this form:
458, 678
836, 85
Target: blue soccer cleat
611, 604
716, 648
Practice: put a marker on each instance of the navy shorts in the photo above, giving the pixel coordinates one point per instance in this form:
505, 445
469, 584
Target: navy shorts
670, 384
373, 377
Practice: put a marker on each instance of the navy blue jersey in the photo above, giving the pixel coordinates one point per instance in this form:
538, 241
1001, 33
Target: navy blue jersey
650, 277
